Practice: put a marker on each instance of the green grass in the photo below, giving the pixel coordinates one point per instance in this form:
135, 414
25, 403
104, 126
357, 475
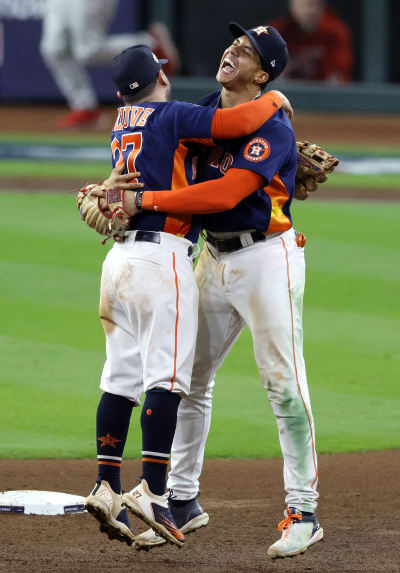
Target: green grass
93, 139
95, 170
349, 181
53, 344
352, 149
101, 139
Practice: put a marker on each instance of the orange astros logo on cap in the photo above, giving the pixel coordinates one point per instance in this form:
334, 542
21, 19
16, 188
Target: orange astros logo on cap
260, 30
257, 149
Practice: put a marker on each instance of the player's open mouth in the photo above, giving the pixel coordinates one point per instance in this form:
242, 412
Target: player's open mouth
228, 66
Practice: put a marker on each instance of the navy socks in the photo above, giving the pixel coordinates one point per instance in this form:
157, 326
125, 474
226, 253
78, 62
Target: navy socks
112, 425
158, 421
113, 416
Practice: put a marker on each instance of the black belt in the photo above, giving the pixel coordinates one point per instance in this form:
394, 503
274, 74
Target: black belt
151, 237
233, 244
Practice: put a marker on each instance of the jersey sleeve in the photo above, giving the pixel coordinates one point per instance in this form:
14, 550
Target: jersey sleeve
196, 123
233, 122
208, 197
188, 121
265, 150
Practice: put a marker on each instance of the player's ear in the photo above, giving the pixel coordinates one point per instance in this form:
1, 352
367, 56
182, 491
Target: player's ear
162, 78
119, 94
261, 77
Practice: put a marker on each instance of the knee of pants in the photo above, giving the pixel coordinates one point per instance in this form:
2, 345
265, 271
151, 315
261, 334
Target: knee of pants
53, 51
197, 401
85, 53
280, 384
290, 405
202, 375
284, 395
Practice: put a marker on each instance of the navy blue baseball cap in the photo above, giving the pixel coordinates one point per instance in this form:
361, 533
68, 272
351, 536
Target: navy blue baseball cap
270, 46
134, 68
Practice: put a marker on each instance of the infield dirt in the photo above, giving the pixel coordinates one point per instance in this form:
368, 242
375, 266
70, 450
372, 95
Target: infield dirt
244, 498
357, 129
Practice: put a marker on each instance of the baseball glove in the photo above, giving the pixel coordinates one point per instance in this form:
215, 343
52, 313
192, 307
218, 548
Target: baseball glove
111, 220
313, 165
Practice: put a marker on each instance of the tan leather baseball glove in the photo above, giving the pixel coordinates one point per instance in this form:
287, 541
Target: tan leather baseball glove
313, 166
107, 216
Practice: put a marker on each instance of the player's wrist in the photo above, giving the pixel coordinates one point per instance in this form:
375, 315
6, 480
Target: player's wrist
138, 201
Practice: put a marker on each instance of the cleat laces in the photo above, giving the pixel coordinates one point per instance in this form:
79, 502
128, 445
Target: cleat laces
289, 520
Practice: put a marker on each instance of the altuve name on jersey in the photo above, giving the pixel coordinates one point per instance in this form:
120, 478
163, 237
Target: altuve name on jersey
131, 116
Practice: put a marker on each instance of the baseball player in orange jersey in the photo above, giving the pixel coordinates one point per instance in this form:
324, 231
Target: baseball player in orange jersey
149, 296
250, 272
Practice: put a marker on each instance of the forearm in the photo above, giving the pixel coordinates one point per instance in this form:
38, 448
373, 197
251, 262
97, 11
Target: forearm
244, 118
208, 197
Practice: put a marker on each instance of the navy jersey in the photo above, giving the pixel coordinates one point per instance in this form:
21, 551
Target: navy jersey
153, 138
271, 152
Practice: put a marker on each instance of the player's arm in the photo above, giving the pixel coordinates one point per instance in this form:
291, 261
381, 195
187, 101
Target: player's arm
204, 125
207, 197
245, 118
254, 165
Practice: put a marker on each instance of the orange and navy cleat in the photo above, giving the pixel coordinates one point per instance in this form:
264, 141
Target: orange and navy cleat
155, 511
188, 516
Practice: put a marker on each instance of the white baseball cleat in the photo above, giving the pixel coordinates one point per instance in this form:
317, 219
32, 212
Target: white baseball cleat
105, 505
298, 533
188, 517
155, 511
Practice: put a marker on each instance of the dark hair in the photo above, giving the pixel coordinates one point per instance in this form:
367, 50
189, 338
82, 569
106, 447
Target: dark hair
141, 94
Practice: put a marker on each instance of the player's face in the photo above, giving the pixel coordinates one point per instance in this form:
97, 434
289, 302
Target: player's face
239, 64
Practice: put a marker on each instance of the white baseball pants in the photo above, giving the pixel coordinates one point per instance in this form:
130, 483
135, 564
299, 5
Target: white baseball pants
261, 286
148, 307
74, 36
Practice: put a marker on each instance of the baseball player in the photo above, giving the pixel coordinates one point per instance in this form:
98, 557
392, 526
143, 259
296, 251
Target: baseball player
251, 271
149, 296
74, 37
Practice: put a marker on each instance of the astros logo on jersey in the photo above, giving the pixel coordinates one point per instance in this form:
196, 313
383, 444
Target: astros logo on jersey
257, 149
260, 30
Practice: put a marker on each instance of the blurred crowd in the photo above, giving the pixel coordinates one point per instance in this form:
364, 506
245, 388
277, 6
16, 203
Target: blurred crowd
319, 43
75, 37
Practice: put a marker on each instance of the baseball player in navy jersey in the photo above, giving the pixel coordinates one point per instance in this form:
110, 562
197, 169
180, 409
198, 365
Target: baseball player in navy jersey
149, 296
251, 271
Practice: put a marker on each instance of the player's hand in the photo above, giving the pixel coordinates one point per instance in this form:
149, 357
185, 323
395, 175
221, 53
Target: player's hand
129, 199
100, 190
287, 108
119, 180
301, 193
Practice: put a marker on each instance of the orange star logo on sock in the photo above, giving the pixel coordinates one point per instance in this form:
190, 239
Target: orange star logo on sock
107, 440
